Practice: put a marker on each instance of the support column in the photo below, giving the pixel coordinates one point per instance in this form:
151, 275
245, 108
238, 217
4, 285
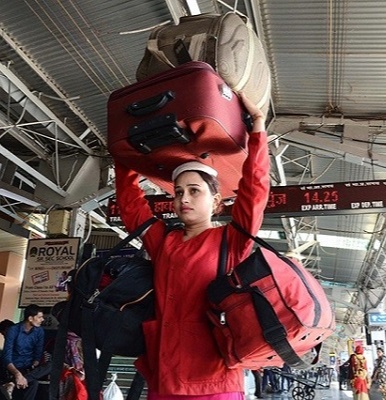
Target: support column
11, 267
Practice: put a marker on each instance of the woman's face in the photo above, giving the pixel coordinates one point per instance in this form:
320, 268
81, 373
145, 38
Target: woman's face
379, 353
193, 201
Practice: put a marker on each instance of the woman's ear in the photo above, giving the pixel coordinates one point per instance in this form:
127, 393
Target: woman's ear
216, 203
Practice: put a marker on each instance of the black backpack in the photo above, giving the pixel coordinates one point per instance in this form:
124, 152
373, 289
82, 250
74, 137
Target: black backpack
108, 319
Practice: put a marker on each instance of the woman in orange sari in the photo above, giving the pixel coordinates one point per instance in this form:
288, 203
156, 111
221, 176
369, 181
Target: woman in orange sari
358, 374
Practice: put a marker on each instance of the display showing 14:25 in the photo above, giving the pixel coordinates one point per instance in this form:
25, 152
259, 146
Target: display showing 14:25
325, 196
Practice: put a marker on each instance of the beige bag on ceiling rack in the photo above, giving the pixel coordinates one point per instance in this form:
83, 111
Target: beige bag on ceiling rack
226, 42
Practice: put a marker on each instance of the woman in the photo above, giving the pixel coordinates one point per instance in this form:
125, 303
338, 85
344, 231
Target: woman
359, 375
379, 375
182, 358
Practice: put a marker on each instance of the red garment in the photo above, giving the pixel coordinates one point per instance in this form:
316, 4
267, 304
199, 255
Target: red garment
358, 373
71, 387
182, 357
359, 349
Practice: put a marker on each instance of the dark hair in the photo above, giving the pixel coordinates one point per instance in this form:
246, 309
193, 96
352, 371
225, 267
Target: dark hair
5, 324
211, 181
31, 311
380, 349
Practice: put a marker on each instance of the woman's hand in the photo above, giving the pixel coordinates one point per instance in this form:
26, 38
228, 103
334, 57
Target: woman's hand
258, 117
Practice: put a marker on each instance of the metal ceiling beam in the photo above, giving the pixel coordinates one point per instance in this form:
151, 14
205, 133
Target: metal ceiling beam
17, 197
23, 221
92, 203
50, 83
176, 9
23, 165
345, 303
346, 149
25, 140
16, 89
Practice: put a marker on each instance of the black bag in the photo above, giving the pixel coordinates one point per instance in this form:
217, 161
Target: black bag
110, 318
117, 311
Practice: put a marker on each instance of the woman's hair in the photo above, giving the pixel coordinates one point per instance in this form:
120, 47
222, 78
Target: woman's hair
211, 181
213, 188
380, 349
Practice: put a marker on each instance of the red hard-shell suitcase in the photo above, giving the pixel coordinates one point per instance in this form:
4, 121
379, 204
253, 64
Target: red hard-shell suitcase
187, 113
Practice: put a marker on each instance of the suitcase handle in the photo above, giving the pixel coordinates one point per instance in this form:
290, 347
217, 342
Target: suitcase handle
151, 104
159, 131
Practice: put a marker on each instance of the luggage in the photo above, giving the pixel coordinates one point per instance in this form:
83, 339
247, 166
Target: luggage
268, 310
110, 297
226, 42
183, 114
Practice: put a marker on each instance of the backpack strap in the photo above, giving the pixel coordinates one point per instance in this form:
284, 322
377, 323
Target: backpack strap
137, 232
136, 387
273, 330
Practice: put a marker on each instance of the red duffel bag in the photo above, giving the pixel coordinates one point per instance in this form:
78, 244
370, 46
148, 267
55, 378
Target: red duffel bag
268, 310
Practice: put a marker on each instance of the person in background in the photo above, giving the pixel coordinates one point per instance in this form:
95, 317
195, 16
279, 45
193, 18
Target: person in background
286, 379
258, 383
358, 374
4, 325
23, 350
343, 374
269, 384
379, 374
6, 387
181, 357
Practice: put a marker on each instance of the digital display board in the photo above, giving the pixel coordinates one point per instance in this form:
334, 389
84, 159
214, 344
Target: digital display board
327, 198
295, 200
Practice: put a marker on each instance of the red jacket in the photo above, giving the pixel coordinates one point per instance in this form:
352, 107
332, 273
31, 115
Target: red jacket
182, 357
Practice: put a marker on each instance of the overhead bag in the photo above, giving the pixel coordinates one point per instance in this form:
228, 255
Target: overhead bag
183, 114
226, 42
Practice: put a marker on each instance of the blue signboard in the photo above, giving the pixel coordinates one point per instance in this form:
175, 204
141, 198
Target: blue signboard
377, 319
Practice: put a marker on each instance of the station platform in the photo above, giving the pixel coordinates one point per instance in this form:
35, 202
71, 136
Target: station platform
329, 393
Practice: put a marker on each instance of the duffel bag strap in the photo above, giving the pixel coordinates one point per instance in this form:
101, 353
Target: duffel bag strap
273, 330
256, 239
222, 261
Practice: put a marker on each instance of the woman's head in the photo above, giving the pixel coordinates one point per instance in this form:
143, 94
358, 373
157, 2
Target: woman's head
196, 189
359, 349
380, 351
